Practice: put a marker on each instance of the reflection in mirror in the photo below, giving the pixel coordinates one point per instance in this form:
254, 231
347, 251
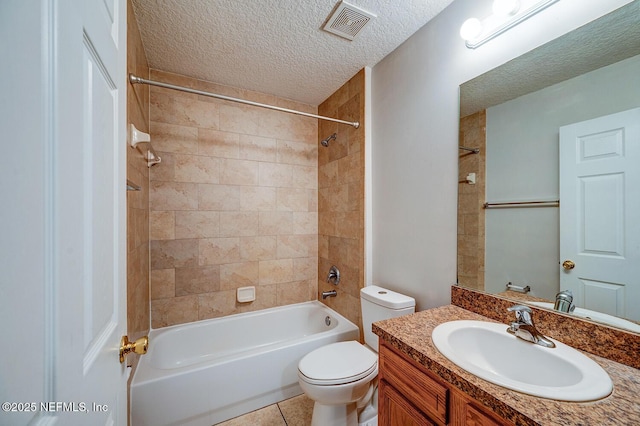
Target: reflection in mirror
513, 115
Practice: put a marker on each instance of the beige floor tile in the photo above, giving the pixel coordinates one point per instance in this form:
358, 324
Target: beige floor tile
297, 411
268, 416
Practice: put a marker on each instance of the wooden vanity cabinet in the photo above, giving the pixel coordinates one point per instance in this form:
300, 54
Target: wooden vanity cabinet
409, 395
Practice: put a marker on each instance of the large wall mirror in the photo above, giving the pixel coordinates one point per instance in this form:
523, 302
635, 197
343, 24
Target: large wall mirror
549, 185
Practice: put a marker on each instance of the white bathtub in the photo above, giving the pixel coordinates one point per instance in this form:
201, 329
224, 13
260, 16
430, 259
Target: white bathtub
209, 371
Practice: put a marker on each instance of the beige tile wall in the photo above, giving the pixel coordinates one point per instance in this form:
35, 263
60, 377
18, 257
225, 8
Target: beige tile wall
234, 203
341, 198
137, 201
138, 310
470, 200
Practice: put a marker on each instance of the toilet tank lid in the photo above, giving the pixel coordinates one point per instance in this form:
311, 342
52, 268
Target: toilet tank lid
387, 298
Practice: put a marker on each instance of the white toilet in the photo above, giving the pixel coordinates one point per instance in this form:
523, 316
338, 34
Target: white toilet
340, 377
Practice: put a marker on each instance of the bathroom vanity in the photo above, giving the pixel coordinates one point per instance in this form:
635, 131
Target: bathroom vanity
419, 386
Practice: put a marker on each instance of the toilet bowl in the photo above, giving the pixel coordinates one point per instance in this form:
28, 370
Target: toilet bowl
335, 377
341, 377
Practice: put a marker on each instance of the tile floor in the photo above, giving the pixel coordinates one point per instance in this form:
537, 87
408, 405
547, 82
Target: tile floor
291, 412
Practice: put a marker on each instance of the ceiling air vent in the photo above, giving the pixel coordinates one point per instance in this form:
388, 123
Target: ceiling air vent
347, 20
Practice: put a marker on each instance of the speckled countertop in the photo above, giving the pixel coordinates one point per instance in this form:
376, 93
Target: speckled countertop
411, 335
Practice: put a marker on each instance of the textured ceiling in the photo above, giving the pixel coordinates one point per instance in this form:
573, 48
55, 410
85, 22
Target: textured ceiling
273, 46
607, 40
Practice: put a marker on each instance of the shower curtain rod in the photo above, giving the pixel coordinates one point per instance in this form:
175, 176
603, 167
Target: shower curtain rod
139, 80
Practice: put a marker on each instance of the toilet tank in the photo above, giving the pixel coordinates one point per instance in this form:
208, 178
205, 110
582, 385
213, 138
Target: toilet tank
379, 304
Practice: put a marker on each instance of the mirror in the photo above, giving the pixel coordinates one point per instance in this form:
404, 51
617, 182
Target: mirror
512, 115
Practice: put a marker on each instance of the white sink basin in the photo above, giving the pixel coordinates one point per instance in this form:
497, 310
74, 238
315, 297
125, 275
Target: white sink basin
595, 316
488, 351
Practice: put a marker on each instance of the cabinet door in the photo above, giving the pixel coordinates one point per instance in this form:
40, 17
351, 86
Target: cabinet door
395, 410
475, 417
425, 393
466, 411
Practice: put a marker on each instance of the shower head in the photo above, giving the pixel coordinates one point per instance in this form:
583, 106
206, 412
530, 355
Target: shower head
325, 142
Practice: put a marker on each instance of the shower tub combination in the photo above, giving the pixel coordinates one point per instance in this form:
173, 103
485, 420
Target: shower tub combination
209, 371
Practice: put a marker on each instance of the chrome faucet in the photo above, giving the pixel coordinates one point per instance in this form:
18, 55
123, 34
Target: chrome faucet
564, 302
331, 293
334, 275
524, 329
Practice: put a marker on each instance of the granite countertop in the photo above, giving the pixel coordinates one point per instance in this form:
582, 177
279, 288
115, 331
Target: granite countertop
411, 335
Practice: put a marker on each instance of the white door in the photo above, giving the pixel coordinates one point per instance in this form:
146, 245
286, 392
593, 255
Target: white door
600, 213
64, 213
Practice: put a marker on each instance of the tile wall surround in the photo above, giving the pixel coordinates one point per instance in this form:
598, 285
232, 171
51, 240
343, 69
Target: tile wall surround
341, 198
234, 202
137, 201
607, 342
471, 198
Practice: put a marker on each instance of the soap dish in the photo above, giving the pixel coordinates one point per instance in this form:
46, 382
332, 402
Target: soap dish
246, 294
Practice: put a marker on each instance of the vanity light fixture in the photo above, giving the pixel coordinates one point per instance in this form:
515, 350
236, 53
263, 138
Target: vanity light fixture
506, 14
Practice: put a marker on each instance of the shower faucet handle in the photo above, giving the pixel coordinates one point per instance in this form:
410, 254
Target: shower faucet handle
334, 275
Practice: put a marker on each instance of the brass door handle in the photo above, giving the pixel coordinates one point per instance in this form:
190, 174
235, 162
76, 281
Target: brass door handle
568, 264
140, 346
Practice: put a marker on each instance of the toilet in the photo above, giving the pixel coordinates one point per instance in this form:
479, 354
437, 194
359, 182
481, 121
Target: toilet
341, 377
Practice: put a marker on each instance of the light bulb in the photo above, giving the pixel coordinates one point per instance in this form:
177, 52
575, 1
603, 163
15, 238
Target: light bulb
505, 7
470, 29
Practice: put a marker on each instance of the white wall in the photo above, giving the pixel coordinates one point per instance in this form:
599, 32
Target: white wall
522, 165
415, 138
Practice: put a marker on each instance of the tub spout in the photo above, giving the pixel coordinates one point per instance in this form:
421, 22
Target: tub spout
331, 293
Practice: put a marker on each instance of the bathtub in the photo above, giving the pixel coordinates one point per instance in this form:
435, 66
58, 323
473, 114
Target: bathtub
209, 371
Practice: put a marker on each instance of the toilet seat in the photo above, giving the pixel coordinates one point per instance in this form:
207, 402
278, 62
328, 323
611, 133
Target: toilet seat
338, 363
